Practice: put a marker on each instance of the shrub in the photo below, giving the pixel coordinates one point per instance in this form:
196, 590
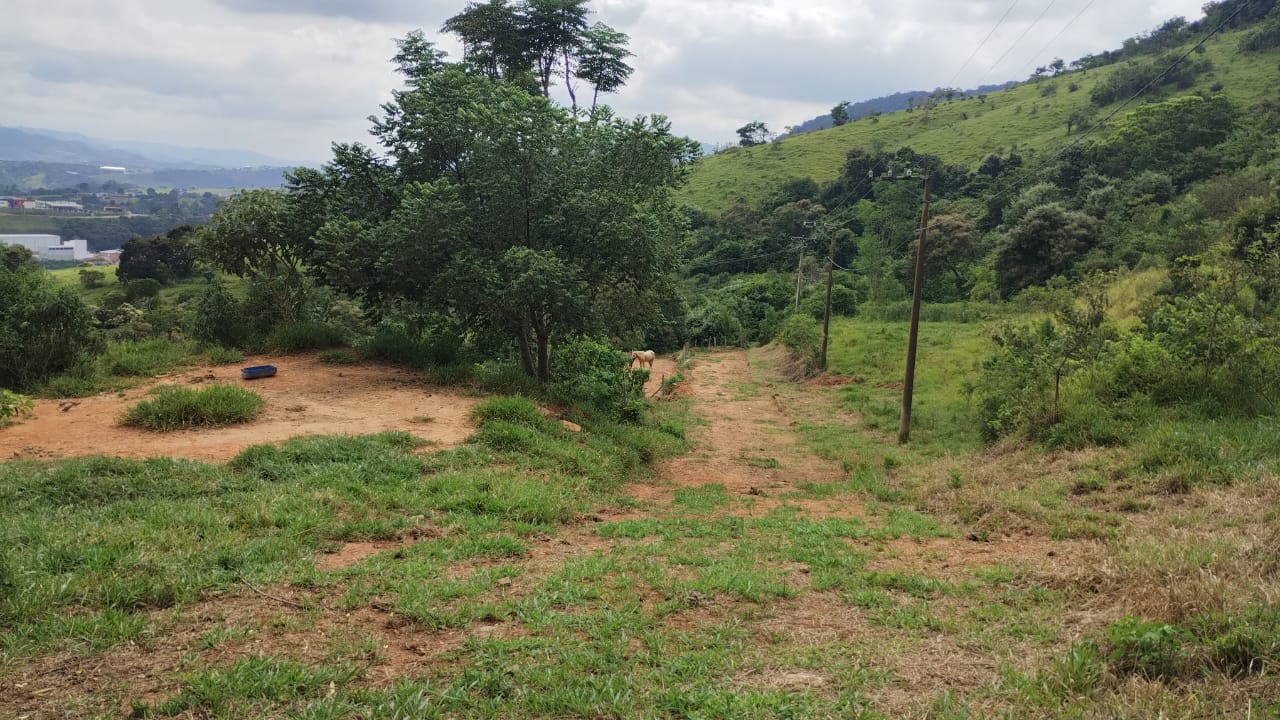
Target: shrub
90, 279
219, 355
44, 330
174, 408
220, 318
802, 336
517, 410
305, 335
338, 357
144, 358
1151, 650
12, 405
593, 376
497, 376
141, 289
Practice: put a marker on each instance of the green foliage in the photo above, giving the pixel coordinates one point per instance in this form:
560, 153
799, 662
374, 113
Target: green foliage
1048, 241
218, 355
44, 330
1147, 649
801, 335
1135, 75
162, 258
141, 289
305, 335
13, 405
90, 279
1166, 137
593, 376
219, 317
557, 244
338, 357
175, 408
145, 358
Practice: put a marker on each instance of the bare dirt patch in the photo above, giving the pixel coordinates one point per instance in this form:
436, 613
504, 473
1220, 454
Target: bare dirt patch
745, 444
304, 398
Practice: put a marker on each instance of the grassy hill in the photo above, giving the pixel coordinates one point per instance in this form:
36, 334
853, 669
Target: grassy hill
962, 131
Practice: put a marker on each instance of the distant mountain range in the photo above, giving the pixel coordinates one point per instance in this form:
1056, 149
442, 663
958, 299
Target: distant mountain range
887, 104
24, 144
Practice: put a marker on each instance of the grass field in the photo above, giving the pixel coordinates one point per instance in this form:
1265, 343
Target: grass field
27, 224
961, 132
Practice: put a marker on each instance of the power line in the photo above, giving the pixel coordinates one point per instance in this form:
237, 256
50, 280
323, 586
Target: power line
1100, 124
1070, 22
982, 44
1030, 27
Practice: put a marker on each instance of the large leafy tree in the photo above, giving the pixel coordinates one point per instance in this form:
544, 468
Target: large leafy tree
264, 235
555, 29
602, 60
163, 258
494, 38
511, 214
1048, 241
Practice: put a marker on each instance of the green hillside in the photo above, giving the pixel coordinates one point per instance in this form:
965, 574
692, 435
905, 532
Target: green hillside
962, 131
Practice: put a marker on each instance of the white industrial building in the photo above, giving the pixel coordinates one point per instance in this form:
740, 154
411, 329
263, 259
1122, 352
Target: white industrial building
49, 247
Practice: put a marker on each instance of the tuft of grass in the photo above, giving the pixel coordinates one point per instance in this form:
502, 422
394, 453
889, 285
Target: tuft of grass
146, 358
218, 355
174, 408
306, 335
338, 357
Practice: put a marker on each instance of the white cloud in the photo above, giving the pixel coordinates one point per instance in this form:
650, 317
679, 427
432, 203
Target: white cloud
287, 78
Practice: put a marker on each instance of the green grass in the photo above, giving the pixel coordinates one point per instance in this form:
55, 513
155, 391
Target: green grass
177, 408
146, 358
961, 132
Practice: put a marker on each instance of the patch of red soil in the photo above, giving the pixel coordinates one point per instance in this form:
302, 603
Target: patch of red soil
306, 397
957, 559
835, 380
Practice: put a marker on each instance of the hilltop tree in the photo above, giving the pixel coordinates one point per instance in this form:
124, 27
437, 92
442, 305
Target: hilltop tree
840, 113
555, 31
494, 40
512, 216
753, 133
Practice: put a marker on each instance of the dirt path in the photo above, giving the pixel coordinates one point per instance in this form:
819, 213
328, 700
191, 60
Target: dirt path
746, 443
307, 397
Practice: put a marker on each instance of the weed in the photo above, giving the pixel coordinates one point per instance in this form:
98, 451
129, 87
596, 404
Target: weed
173, 408
145, 358
306, 335
219, 355
1146, 649
338, 357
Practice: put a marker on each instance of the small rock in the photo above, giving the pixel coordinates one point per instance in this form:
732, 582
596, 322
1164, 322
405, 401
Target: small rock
1053, 553
571, 426
755, 491
417, 518
505, 582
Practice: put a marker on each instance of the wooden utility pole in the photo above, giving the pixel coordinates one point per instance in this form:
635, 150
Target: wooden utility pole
826, 316
799, 266
908, 384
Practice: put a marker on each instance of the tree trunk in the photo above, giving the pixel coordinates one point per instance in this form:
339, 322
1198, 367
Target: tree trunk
526, 354
568, 81
544, 357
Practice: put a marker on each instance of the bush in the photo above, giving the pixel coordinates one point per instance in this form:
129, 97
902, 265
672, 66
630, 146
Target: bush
141, 289
219, 318
338, 357
517, 410
12, 405
1151, 650
219, 355
174, 408
145, 358
497, 376
44, 330
305, 335
802, 336
593, 376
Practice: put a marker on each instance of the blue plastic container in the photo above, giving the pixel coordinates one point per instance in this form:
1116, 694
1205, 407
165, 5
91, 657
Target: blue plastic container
258, 371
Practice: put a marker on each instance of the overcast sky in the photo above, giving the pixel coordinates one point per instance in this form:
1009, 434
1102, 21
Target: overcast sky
287, 77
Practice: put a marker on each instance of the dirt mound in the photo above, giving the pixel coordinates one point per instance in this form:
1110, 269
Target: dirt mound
304, 398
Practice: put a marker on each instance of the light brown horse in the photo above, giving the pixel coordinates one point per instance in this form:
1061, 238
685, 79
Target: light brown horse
644, 357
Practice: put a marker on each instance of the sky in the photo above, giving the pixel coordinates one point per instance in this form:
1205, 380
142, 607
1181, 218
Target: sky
288, 77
